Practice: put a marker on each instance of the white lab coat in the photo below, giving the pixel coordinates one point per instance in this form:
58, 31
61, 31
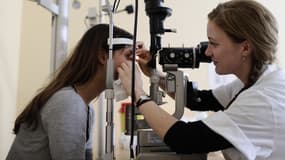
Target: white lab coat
255, 122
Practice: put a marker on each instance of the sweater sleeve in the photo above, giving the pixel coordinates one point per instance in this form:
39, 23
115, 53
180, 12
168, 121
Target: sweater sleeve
194, 137
64, 120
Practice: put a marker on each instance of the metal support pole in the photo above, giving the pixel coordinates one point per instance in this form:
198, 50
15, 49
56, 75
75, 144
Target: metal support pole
59, 35
101, 117
109, 148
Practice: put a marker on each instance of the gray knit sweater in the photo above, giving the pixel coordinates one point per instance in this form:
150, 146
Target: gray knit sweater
61, 135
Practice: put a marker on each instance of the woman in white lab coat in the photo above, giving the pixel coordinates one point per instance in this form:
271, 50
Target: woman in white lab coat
248, 122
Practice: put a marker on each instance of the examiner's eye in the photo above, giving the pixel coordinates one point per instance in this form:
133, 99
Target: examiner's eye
213, 43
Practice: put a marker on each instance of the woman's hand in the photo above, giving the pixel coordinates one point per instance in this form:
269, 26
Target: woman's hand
143, 57
125, 75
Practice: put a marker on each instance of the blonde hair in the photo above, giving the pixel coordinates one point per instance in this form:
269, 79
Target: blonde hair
249, 20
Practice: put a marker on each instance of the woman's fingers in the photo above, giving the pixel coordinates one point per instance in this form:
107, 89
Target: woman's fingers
125, 74
139, 45
124, 66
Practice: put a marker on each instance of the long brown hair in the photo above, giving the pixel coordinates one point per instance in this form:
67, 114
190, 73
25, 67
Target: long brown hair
248, 20
81, 66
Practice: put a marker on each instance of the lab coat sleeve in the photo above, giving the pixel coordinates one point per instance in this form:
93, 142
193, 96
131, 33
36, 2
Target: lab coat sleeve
225, 93
248, 123
222, 124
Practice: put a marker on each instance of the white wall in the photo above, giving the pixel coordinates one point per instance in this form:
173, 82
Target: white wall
10, 16
24, 68
34, 64
278, 11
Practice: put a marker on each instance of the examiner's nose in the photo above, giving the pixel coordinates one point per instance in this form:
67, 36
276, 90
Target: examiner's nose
208, 52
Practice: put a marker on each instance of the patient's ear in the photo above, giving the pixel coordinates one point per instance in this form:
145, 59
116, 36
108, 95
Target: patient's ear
103, 58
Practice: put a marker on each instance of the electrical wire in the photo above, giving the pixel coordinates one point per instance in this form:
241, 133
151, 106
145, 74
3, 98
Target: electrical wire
115, 5
133, 81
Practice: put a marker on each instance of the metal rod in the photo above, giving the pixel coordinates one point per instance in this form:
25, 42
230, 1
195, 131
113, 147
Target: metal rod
101, 117
109, 148
49, 5
59, 35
